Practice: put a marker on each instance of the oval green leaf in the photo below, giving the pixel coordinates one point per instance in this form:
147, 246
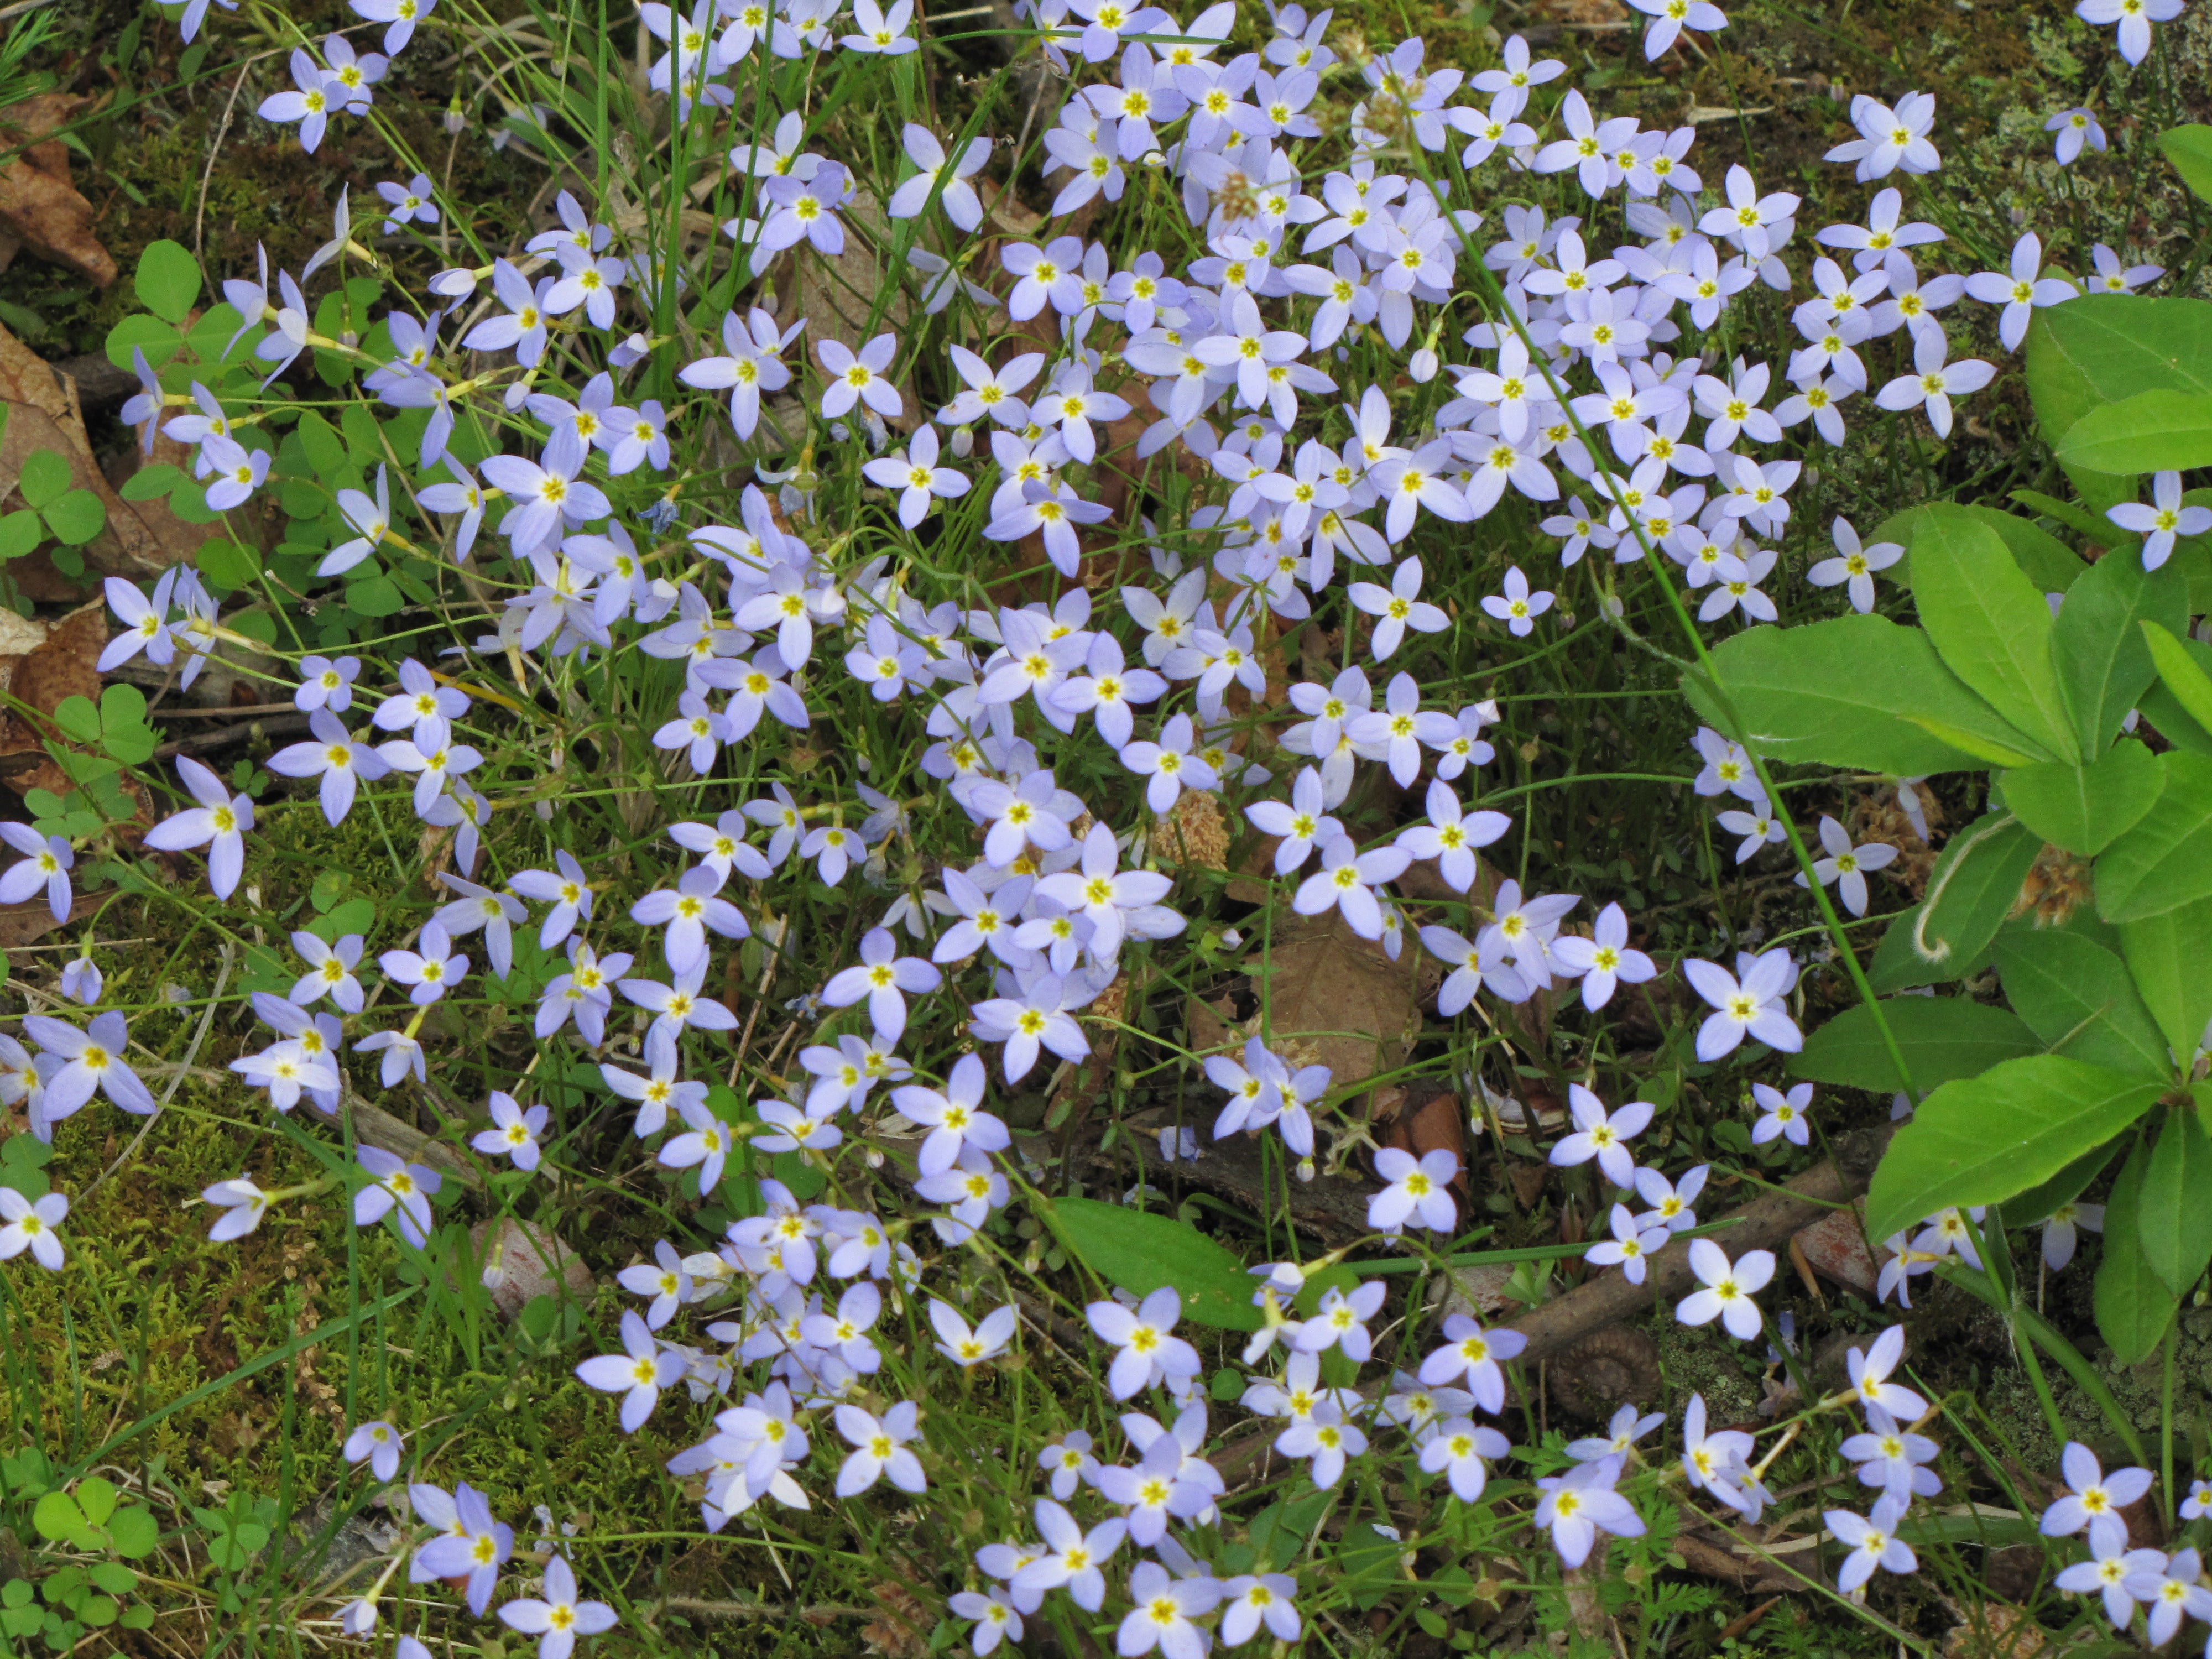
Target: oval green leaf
1942, 1039
2158, 431
1983, 1139
1141, 1251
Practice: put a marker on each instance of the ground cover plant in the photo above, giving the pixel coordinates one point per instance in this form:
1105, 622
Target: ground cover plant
1072, 829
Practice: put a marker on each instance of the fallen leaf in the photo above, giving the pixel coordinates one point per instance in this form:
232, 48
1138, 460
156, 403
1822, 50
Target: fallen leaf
33, 919
38, 203
64, 665
1835, 1245
1334, 999
43, 414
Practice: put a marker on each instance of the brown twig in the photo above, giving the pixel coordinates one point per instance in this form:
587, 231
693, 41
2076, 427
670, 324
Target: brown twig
1767, 1220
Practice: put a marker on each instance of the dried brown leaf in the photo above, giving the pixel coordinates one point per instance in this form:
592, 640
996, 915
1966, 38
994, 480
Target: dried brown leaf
1337, 996
38, 203
65, 664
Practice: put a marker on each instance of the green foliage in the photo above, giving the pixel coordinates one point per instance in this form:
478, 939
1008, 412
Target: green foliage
1992, 629
2166, 860
1970, 893
2134, 1306
2084, 809
1983, 1139
2107, 347
167, 281
2078, 998
1942, 1039
2174, 1222
2156, 431
2190, 149
1140, 1252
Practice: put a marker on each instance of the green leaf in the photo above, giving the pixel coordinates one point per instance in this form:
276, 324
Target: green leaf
77, 517
229, 564
45, 474
150, 483
2097, 643
2166, 860
2166, 956
2181, 666
1141, 1251
2160, 431
2175, 1224
374, 596
2190, 149
57, 1517
1846, 692
2085, 809
124, 732
1990, 626
96, 1497
2080, 998
1970, 891
114, 1579
2134, 1308
157, 339
78, 720
1990, 751
2042, 1201
1943, 1039
167, 281
20, 532
327, 450
2047, 562
2105, 347
2072, 514
1983, 1139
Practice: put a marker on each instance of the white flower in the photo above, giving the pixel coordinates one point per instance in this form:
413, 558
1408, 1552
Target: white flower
1870, 1372
1873, 1542
1418, 1188
2022, 291
558, 1618
965, 1348
1670, 17
1600, 1136
1847, 865
2135, 18
1892, 138
2094, 1499
1751, 1008
1579, 1505
30, 1225
2167, 518
1628, 1247
1728, 1288
1933, 383
1151, 1352
1516, 607
1781, 1115
880, 1450
1854, 566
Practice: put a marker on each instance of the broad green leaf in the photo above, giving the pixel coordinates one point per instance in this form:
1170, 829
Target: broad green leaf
78, 718
45, 476
152, 483
1984, 1140
2072, 514
2160, 431
1989, 751
2105, 347
2190, 149
2048, 562
1141, 1251
56, 1516
2079, 998
2181, 667
1990, 627
228, 563
2084, 809
2134, 1308
21, 532
76, 518
2166, 860
2042, 1201
96, 1497
327, 450
167, 281
1970, 891
1942, 1038
150, 335
2174, 1223
2097, 643
1846, 692
2169, 956
374, 595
